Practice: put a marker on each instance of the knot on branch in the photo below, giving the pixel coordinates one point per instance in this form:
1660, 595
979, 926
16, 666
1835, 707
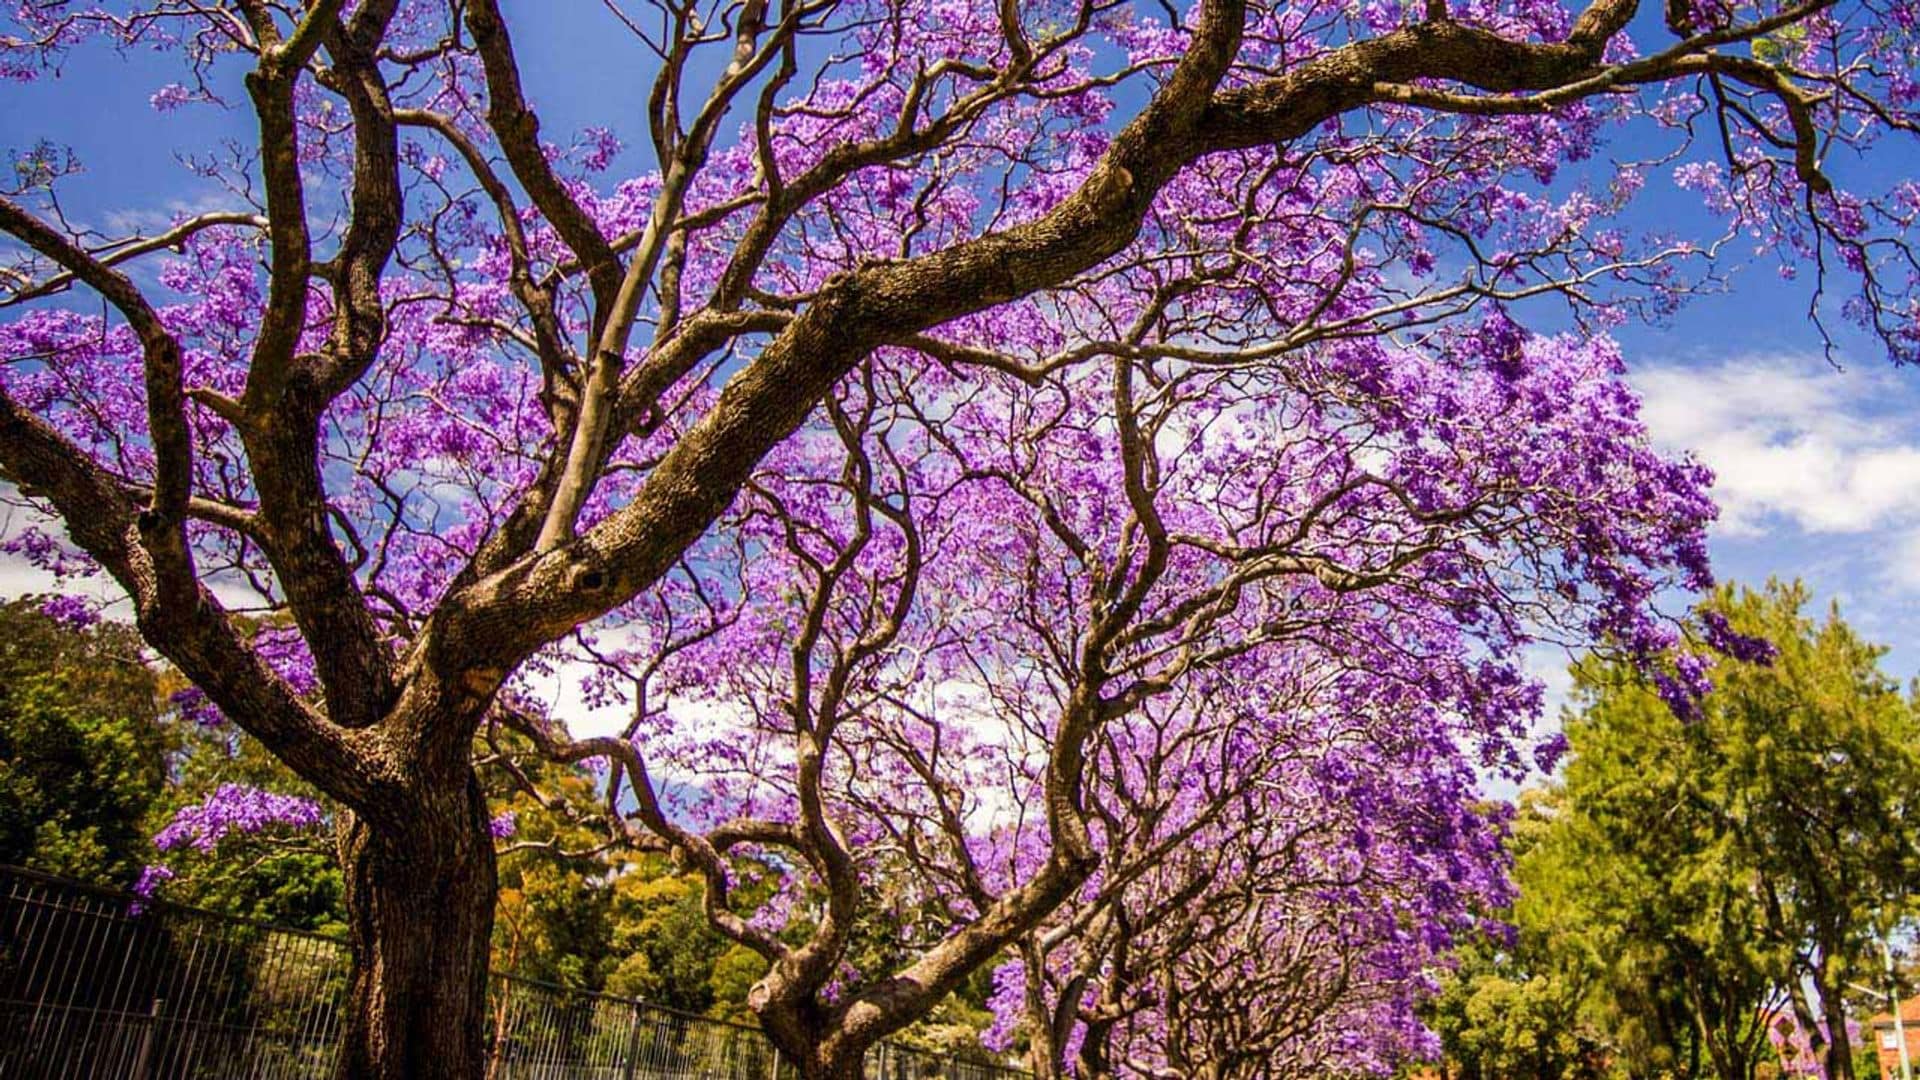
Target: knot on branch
482, 682
589, 579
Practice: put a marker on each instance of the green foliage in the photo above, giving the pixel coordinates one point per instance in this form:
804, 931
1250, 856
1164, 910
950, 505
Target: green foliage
1689, 881
734, 973
1522, 1006
1780, 46
670, 954
575, 912
82, 758
280, 876
553, 911
953, 1027
93, 762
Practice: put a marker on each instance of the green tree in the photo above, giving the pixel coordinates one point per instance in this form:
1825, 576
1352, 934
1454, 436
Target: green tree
1529, 1002
579, 912
1787, 800
82, 756
1693, 880
668, 951
1814, 762
1646, 855
285, 876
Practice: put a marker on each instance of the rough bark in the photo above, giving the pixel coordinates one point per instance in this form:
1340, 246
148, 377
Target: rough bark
1045, 1055
813, 1042
420, 901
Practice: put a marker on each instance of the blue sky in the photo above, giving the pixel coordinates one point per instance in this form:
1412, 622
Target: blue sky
1819, 464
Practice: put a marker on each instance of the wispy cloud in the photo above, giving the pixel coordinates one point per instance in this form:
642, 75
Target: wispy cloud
1797, 445
151, 220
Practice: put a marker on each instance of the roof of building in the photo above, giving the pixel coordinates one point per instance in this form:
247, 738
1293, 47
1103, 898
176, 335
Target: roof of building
1909, 1014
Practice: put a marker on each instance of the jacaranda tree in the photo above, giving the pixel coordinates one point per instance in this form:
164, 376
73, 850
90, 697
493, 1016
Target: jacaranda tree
931, 649
1276, 918
961, 383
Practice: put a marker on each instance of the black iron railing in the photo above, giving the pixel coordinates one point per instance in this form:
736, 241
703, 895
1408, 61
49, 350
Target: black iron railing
98, 983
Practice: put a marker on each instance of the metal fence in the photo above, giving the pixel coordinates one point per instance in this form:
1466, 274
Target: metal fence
96, 983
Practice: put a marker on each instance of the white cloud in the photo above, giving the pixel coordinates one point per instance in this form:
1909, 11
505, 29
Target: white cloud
152, 220
564, 691
1794, 442
19, 577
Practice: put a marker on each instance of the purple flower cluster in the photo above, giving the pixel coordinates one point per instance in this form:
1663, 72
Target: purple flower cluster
71, 610
151, 878
236, 808
192, 703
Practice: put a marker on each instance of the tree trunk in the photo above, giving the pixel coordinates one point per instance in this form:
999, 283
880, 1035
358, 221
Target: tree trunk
1094, 1060
1809, 1024
1043, 1056
1724, 1066
821, 1064
1046, 1053
809, 1040
1839, 1045
420, 908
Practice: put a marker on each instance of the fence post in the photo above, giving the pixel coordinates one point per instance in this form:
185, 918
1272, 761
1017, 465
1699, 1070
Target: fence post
632, 1063
146, 1039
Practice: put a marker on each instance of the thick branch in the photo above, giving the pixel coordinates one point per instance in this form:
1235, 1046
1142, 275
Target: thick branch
517, 127
194, 633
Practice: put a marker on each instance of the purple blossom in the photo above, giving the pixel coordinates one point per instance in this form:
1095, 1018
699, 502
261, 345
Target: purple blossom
236, 808
71, 610
151, 878
1724, 639
502, 826
193, 704
1246, 518
171, 97
601, 146
1548, 751
149, 882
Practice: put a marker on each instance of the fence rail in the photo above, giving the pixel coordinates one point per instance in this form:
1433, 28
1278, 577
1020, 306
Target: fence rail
98, 983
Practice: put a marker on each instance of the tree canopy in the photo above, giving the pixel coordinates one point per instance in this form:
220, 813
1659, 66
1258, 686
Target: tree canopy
1701, 888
